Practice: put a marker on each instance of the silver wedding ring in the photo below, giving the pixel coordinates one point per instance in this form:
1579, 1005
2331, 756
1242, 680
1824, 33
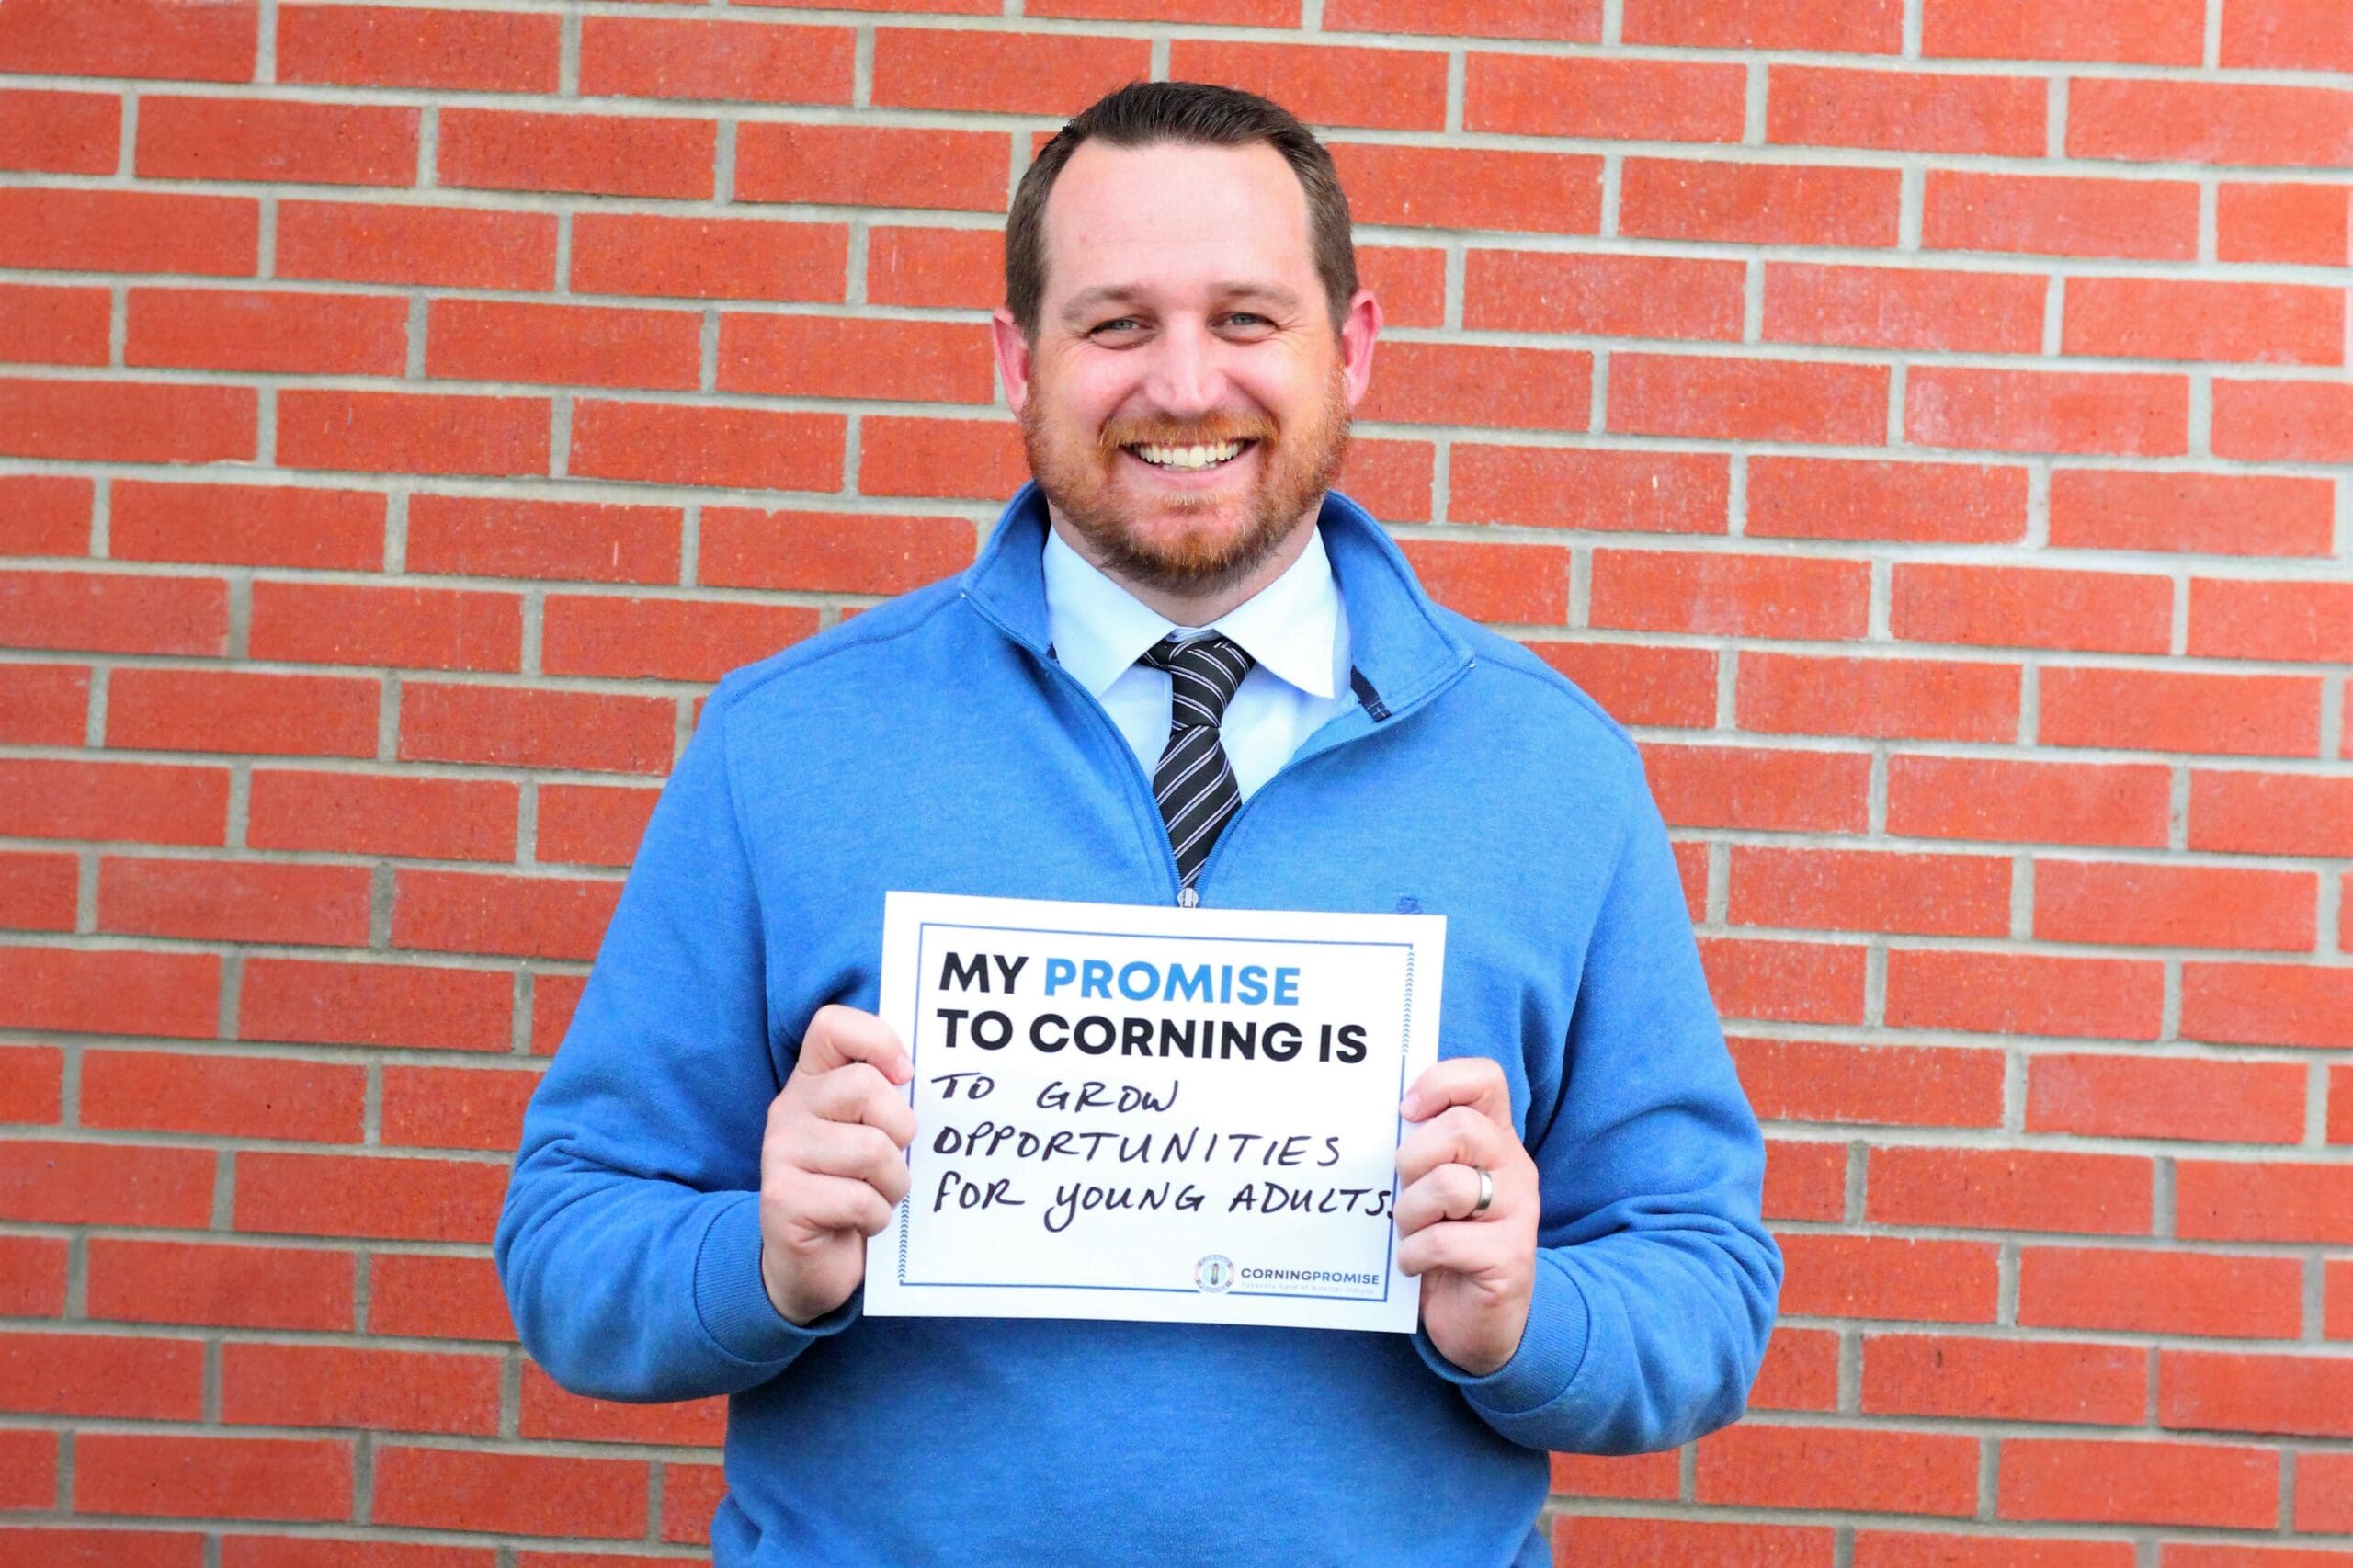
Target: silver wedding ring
1486, 1193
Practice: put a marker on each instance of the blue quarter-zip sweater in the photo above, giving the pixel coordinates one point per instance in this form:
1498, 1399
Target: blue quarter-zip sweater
933, 744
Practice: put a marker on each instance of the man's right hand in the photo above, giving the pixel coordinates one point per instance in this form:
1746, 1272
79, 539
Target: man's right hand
832, 1162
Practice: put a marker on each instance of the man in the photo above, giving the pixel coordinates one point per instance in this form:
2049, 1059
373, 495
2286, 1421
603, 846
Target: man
1183, 341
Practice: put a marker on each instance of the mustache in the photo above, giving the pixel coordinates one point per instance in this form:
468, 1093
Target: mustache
1206, 432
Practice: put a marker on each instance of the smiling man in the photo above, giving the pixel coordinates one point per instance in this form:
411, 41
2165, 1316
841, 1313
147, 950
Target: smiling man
1184, 669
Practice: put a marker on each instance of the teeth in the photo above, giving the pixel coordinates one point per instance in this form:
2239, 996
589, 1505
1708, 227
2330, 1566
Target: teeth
1195, 457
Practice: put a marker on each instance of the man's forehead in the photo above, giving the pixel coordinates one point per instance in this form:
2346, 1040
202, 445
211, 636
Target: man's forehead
1175, 214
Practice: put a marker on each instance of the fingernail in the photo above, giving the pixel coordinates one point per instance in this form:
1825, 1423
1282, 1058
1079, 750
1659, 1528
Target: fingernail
1409, 1106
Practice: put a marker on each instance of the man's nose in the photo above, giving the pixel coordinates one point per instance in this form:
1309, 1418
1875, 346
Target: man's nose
1186, 379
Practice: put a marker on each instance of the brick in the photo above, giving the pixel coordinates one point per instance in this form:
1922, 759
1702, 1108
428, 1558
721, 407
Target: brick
102, 1376
1524, 584
1809, 982
386, 46
1813, 106
954, 268
32, 1086
592, 154
1820, 1466
2011, 1189
913, 361
431, 1295
333, 1385
365, 1003
1036, 74
247, 525
1467, 188
1390, 479
199, 1282
2306, 224
1799, 1371
2176, 711
644, 57
1801, 694
97, 1183
2222, 1201
664, 638
1901, 1086
1638, 684
37, 892
1713, 593
271, 139
2296, 1395
130, 230
1838, 498
2139, 904
114, 613
1622, 296
500, 340
212, 1477
140, 801
53, 326
860, 165
1861, 26
507, 536
2210, 122
1804, 1181
2060, 215
2230, 1003
1889, 1277
2209, 514
32, 1284
517, 1494
1885, 307
2284, 421
1749, 400
1592, 1540
2025, 994
1642, 490
2157, 318
233, 900
110, 991
591, 825
66, 134
375, 1196
44, 514
714, 258
227, 1097
2094, 1481
449, 247
736, 447
1648, 101
109, 1548
2003, 1380
1446, 383
2337, 1274
127, 421
1227, 13
2004, 606
2045, 410
361, 814
44, 705
2287, 35
242, 710
1389, 89
412, 433
1839, 890
2117, 1289
2323, 1494
1569, 21
433, 629
473, 912
1759, 788
517, 727
549, 1411
827, 552
2139, 1097
1791, 204
319, 1551
132, 38
2271, 813
2177, 1555
969, 458
2143, 32
1656, 1477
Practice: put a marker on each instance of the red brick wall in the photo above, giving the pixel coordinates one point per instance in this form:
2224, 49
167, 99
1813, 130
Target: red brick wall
1924, 421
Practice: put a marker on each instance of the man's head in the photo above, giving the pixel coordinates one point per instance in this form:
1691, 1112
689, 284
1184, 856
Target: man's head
1184, 336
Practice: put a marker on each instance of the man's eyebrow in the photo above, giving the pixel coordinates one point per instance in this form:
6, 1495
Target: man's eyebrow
1087, 301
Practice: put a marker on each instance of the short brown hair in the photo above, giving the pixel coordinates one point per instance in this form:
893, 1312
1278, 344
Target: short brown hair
1146, 114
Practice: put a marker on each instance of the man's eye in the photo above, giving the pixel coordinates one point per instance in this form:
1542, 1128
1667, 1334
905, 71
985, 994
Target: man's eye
1123, 323
1245, 318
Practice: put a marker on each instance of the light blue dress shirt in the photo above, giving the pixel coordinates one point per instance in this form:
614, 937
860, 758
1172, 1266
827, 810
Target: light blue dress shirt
1295, 627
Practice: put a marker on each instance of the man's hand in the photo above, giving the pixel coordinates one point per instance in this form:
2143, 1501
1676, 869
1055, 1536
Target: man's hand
1477, 1273
832, 1162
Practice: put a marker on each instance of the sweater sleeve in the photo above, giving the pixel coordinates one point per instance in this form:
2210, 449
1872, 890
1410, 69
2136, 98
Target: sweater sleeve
629, 1241
1656, 1278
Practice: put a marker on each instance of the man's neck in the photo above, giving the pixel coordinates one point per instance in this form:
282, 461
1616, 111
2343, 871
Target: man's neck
1201, 608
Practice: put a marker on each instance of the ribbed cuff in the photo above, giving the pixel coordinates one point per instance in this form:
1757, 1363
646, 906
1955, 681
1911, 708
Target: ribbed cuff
732, 1301
1550, 1350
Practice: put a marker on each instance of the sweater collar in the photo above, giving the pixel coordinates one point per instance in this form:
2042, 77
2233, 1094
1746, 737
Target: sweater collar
1397, 643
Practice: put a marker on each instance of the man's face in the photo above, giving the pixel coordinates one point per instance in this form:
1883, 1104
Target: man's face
1186, 400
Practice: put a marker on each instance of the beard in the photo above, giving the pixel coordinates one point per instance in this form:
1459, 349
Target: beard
1188, 544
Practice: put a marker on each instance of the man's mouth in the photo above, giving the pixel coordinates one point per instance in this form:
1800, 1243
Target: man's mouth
1190, 459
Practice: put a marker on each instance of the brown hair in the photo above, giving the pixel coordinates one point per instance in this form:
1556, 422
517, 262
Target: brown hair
1145, 114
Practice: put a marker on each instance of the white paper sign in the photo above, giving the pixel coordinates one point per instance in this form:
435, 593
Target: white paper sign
1154, 1114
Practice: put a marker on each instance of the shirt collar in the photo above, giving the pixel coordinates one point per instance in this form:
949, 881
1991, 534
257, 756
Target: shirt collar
1100, 629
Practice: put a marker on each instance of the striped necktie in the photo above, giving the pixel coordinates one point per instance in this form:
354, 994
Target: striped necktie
1194, 782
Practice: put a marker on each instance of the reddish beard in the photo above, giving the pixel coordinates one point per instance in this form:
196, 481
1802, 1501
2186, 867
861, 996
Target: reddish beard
1202, 552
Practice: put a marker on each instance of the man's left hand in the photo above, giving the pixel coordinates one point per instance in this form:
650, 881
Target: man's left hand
1477, 1271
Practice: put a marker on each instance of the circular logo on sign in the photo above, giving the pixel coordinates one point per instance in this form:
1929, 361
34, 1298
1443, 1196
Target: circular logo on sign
1214, 1274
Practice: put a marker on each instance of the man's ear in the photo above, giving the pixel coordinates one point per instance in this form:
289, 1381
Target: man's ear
1012, 357
1358, 329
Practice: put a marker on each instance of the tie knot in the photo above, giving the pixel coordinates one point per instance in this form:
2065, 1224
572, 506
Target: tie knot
1203, 674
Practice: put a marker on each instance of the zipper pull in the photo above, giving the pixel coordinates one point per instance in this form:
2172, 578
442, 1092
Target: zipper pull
1187, 898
